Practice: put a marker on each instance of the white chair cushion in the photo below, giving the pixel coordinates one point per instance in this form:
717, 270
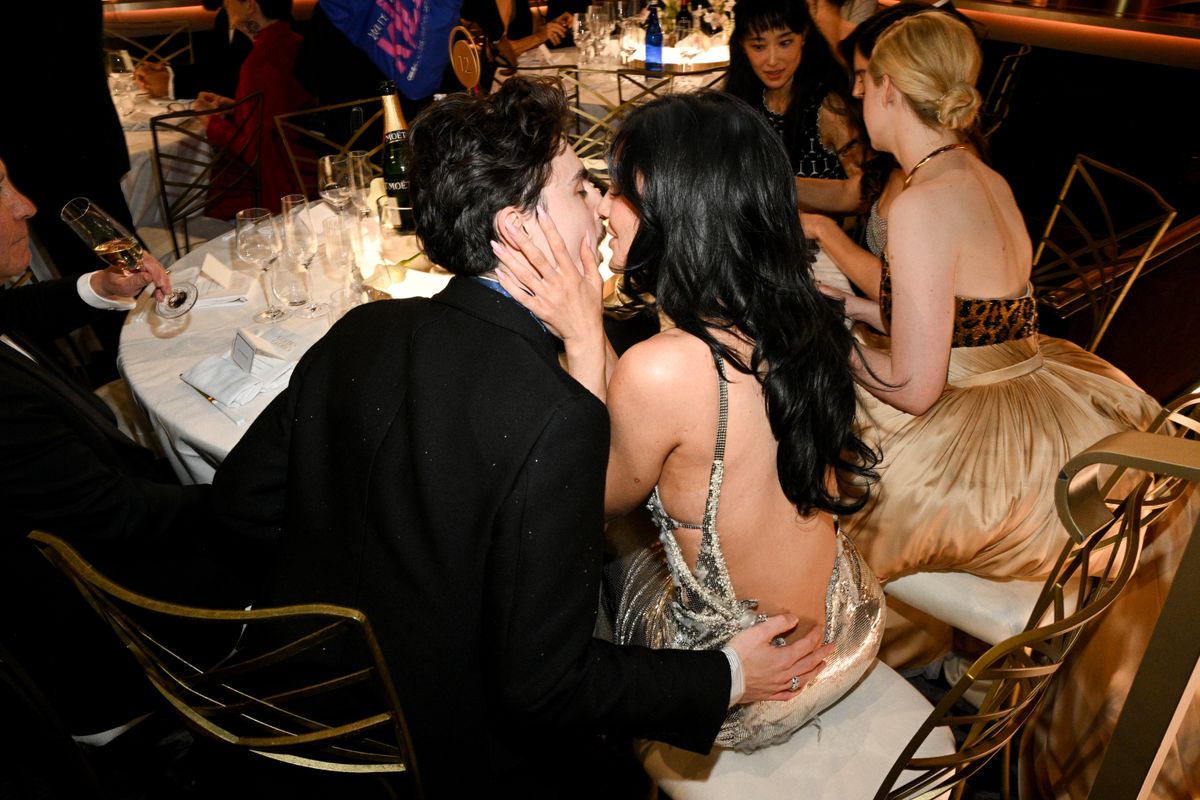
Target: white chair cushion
987, 609
847, 756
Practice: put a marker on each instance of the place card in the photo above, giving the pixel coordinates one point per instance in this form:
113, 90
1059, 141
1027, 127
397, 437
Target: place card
243, 350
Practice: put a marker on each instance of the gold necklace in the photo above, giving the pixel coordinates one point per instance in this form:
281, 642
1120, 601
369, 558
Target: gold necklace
946, 148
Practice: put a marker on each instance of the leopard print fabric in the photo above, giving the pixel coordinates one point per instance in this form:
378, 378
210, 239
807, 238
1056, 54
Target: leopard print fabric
977, 321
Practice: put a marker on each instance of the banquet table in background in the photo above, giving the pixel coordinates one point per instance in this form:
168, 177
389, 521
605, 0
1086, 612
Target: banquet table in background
194, 434
141, 183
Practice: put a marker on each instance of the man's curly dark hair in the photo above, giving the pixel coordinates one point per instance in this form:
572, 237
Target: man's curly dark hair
472, 156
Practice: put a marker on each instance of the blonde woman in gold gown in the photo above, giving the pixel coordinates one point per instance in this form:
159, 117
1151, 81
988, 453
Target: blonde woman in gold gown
973, 410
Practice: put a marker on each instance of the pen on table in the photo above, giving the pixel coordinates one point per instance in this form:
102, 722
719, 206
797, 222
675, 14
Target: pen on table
232, 417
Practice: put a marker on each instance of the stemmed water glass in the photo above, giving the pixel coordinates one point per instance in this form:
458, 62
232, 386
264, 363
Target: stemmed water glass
333, 181
582, 35
633, 35
300, 246
258, 243
112, 242
601, 28
686, 41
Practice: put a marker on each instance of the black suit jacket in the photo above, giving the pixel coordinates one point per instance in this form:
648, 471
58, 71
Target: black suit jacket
64, 465
432, 464
67, 469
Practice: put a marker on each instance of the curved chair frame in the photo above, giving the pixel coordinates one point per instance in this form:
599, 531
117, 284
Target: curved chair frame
1091, 571
278, 699
998, 101
171, 40
191, 177
305, 142
1086, 258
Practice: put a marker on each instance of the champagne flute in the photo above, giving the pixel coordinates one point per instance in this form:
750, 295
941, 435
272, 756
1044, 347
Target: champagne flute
300, 246
360, 180
258, 243
333, 181
112, 242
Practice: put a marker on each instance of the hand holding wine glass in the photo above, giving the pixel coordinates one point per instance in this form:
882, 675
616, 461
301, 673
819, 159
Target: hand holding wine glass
123, 252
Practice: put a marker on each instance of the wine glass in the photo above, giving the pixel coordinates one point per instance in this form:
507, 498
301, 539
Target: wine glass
333, 181
633, 35
686, 43
300, 246
600, 26
360, 180
258, 243
582, 35
339, 247
289, 284
112, 242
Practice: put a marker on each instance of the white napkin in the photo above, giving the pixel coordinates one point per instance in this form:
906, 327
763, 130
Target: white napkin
213, 295
226, 382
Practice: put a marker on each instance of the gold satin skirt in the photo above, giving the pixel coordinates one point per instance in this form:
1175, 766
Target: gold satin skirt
969, 484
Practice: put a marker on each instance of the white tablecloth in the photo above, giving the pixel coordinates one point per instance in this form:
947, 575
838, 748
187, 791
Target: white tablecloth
154, 352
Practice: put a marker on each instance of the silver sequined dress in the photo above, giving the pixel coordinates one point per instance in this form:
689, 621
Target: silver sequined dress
664, 604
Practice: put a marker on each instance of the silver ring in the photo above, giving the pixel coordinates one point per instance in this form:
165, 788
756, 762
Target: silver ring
795, 683
778, 641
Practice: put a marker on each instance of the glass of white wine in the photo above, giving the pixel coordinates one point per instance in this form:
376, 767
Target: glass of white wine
122, 251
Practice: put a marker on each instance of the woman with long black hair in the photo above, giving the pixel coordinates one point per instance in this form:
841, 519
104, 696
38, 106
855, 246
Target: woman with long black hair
780, 64
737, 425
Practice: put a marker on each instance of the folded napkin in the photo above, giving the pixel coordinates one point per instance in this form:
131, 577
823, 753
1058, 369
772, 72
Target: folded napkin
228, 384
213, 295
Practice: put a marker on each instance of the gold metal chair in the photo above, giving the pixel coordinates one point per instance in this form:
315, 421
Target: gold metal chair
1104, 226
306, 685
192, 174
998, 101
330, 130
166, 42
1093, 568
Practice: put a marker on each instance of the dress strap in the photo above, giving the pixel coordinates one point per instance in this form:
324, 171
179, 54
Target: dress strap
716, 474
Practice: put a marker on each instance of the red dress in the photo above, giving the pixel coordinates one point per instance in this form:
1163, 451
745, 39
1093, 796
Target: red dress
269, 69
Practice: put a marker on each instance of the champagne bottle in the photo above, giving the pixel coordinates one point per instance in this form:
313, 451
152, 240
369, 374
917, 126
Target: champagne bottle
395, 146
654, 41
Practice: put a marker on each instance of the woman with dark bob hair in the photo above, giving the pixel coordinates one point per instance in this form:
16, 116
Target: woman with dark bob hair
781, 65
739, 419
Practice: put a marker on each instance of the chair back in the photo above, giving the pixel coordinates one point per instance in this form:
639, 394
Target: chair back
1104, 225
1093, 568
166, 42
331, 130
996, 103
306, 684
193, 174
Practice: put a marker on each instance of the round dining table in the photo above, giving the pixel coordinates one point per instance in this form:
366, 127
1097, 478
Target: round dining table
194, 432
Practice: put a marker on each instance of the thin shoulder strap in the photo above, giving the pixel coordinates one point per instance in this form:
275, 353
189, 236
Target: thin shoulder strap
716, 475
723, 415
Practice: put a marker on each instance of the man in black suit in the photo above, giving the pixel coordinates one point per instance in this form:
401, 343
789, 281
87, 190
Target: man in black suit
61, 137
67, 469
433, 464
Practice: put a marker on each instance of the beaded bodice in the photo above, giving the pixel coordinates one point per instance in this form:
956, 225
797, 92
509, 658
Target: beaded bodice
977, 321
809, 156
